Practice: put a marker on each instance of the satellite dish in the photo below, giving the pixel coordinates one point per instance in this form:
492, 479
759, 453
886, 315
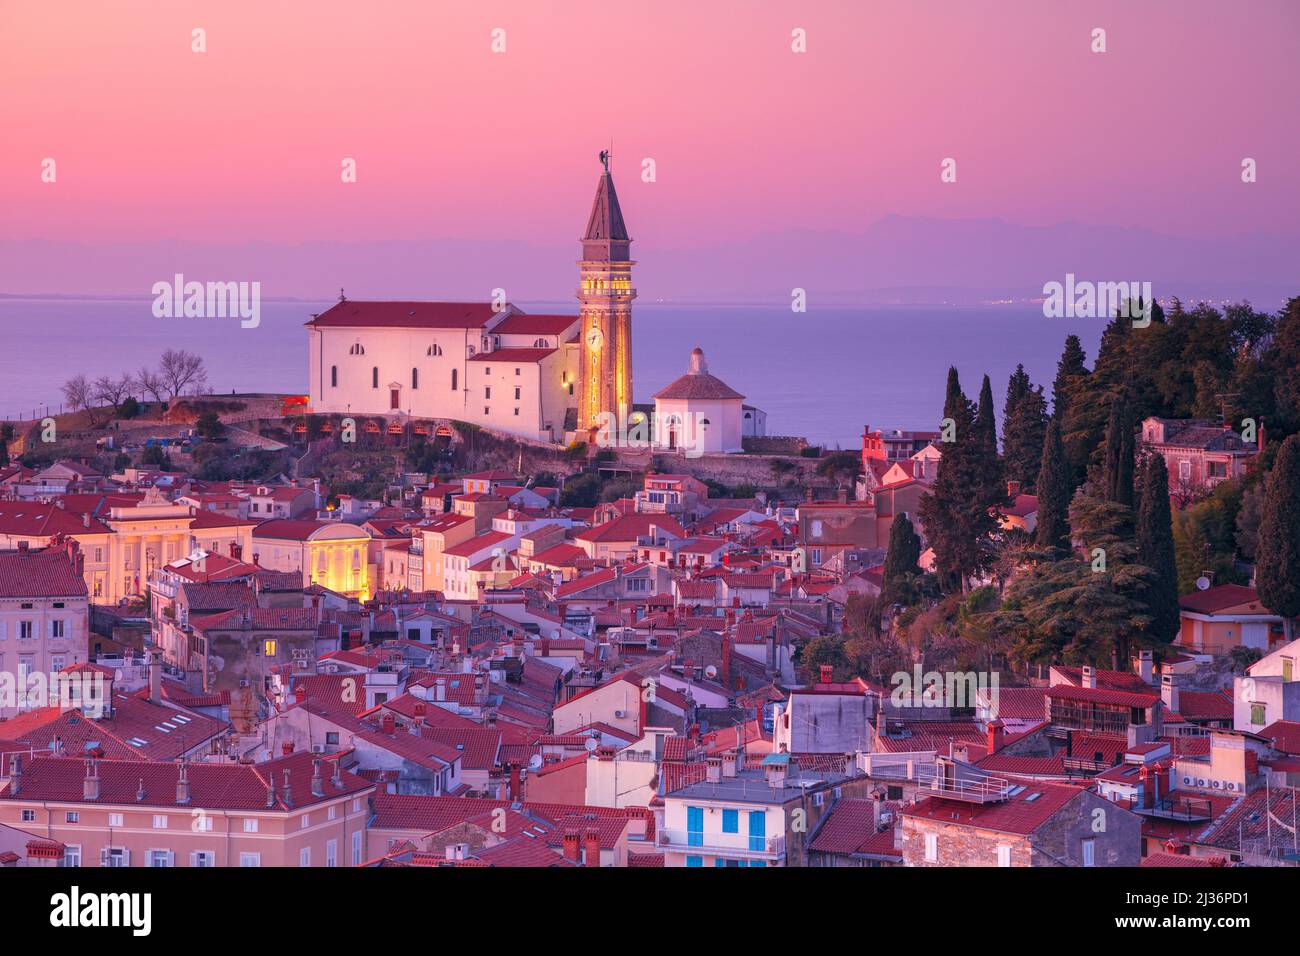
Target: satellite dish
710, 672
535, 762
591, 744
1202, 583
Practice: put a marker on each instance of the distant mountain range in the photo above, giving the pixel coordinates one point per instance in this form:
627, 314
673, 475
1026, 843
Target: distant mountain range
896, 260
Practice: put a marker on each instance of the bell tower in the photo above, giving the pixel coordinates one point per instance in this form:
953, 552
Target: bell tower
605, 297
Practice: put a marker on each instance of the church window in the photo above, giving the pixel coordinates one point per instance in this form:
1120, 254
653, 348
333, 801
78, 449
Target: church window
704, 421
334, 376
453, 379
435, 349
357, 349
540, 344
516, 411
374, 377
517, 391
487, 392
486, 410
415, 378
516, 370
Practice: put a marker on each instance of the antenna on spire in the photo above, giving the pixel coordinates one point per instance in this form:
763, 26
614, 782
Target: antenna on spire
342, 297
604, 158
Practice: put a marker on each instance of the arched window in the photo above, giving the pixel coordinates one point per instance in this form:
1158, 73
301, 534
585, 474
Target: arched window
334, 376
357, 349
434, 350
374, 377
415, 378
704, 422
540, 344
453, 378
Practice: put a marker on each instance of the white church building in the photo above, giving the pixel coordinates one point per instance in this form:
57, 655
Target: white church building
505, 369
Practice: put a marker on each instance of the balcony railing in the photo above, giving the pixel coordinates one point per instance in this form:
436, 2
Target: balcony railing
720, 844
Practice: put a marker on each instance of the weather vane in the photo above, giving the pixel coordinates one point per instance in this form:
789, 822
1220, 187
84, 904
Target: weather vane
604, 159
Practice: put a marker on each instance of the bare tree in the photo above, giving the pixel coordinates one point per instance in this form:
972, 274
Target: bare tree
180, 370
151, 383
113, 391
80, 395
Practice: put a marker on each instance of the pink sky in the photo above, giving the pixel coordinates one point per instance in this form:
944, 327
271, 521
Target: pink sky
245, 141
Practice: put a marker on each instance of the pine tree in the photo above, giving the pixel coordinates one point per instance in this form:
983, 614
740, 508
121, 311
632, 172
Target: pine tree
1017, 388
1055, 488
902, 570
1155, 543
1277, 567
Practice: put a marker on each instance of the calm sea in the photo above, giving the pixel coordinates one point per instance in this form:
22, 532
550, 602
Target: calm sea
822, 374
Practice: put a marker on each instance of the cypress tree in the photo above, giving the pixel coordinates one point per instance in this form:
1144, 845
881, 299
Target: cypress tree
1068, 370
1277, 555
902, 563
1055, 489
993, 489
1155, 544
1024, 427
1117, 460
955, 513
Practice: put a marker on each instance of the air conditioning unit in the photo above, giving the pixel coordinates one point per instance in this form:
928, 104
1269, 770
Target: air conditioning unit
317, 749
620, 713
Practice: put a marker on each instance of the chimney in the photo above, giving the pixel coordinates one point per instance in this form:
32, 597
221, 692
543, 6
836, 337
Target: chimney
140, 792
593, 849
1169, 693
337, 775
1146, 667
1145, 775
713, 769
877, 807
1013, 489
183, 785
827, 673
22, 547
515, 793
572, 842
317, 781
1089, 677
996, 736
776, 775
389, 723
90, 786
286, 794
15, 775
729, 763
155, 679
882, 723
842, 496
270, 790
300, 694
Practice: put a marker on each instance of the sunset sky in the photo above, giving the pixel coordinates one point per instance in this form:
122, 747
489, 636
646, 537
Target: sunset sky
245, 141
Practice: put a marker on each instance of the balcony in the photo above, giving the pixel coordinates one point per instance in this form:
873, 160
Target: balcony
971, 789
737, 845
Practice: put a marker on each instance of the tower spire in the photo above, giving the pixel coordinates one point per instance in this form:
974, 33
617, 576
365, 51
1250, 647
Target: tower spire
605, 295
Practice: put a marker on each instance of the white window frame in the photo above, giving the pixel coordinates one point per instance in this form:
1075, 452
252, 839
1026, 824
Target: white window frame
932, 848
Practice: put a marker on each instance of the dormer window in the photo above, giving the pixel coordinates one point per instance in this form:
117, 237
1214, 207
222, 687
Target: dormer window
540, 344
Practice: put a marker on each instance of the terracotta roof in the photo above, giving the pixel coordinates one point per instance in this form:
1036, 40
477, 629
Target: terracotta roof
522, 323
47, 573
221, 786
513, 355
1221, 597
406, 315
1023, 813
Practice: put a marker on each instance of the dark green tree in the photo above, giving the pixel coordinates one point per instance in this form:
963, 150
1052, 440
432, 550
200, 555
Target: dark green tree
1024, 428
1055, 489
902, 570
1118, 457
1277, 566
989, 464
955, 514
1155, 544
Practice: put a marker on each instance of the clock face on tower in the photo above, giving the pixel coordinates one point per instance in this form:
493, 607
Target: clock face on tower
594, 338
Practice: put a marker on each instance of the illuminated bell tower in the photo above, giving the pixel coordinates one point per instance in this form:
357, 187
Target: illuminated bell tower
605, 297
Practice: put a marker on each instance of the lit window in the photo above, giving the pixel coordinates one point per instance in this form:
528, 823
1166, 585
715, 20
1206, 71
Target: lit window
268, 648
